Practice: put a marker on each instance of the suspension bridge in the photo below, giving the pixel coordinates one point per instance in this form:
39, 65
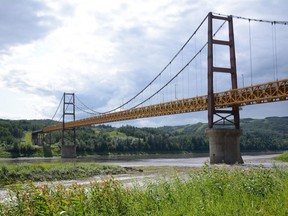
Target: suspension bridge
182, 76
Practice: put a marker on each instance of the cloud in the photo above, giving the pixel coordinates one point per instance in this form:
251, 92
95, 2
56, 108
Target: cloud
107, 52
24, 21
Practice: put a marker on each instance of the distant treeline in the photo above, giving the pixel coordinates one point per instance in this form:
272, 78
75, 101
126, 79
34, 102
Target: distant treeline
259, 135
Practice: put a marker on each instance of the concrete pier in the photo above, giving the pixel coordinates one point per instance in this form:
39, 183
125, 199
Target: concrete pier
68, 151
224, 145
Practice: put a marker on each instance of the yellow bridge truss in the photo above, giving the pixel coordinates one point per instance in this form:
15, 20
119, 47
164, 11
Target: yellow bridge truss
261, 93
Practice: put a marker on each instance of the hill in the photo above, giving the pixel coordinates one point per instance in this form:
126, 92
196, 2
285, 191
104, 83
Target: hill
259, 135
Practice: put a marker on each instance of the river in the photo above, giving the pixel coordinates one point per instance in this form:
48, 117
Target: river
190, 160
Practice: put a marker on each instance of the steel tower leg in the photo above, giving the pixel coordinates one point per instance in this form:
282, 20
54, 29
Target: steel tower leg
68, 149
224, 142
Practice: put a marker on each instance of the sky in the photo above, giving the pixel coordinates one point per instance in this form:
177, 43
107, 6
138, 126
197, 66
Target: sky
107, 51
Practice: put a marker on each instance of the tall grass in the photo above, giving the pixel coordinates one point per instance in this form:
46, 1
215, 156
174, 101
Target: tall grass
211, 191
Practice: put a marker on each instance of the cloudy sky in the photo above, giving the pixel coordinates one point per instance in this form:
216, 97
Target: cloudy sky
107, 51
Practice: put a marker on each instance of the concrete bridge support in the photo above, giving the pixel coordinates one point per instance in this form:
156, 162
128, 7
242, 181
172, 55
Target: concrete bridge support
224, 145
68, 151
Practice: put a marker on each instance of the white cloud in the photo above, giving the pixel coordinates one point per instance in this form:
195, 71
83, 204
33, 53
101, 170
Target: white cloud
107, 51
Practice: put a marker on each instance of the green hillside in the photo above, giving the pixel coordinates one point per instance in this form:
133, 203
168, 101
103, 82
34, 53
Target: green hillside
259, 135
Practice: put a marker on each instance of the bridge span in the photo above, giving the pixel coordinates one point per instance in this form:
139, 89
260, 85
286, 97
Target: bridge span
256, 94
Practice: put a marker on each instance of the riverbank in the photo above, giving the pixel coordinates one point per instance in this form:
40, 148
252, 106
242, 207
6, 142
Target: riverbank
21, 173
85, 170
217, 190
155, 177
88, 168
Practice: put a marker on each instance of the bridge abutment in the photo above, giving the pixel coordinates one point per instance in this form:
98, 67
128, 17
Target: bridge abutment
68, 151
224, 145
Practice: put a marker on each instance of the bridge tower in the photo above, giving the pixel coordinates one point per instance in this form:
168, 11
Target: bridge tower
223, 124
68, 147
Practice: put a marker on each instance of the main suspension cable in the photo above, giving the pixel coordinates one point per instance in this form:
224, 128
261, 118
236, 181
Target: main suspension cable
92, 111
79, 108
170, 62
156, 77
57, 108
176, 75
255, 20
181, 49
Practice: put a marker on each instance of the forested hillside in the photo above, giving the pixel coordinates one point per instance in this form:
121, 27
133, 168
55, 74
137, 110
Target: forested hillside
259, 135
15, 137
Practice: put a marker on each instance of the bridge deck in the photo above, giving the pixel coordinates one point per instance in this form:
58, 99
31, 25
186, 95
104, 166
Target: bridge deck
261, 93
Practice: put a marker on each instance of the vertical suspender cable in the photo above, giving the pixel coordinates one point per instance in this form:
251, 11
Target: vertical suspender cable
273, 50
196, 77
176, 86
161, 97
176, 90
250, 48
182, 78
275, 45
188, 82
150, 90
171, 87
201, 74
58, 109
